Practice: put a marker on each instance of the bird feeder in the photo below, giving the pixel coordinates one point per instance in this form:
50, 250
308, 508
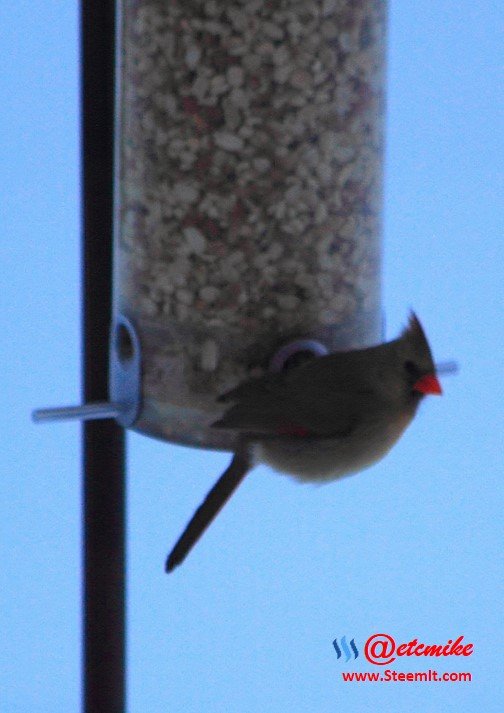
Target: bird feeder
247, 200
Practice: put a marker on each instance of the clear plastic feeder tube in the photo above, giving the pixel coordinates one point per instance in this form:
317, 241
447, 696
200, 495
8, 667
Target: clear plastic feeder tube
249, 180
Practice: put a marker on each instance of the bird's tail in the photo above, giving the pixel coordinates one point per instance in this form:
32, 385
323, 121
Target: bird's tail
212, 504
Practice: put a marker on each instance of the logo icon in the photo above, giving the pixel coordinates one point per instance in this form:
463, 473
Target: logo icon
379, 649
346, 649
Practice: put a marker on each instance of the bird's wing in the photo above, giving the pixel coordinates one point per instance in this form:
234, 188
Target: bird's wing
326, 396
263, 385
286, 413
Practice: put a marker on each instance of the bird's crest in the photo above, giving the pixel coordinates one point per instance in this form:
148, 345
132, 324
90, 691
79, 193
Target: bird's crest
414, 334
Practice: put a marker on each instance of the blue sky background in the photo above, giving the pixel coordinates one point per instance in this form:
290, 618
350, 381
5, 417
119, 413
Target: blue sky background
412, 547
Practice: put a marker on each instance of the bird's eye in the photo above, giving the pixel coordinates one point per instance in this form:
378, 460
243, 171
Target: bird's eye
411, 368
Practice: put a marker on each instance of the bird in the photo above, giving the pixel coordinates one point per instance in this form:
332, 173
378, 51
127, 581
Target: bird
323, 419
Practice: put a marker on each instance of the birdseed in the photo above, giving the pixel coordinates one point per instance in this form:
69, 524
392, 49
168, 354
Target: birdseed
250, 175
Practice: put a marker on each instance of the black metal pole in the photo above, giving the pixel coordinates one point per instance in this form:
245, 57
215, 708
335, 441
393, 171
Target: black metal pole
103, 441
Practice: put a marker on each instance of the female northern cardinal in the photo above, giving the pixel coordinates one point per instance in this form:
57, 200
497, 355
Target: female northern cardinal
331, 416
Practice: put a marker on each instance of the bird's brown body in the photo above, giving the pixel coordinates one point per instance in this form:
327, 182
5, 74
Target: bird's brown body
327, 418
323, 459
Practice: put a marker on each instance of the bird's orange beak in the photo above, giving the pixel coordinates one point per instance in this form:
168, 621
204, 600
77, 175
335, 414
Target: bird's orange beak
428, 384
